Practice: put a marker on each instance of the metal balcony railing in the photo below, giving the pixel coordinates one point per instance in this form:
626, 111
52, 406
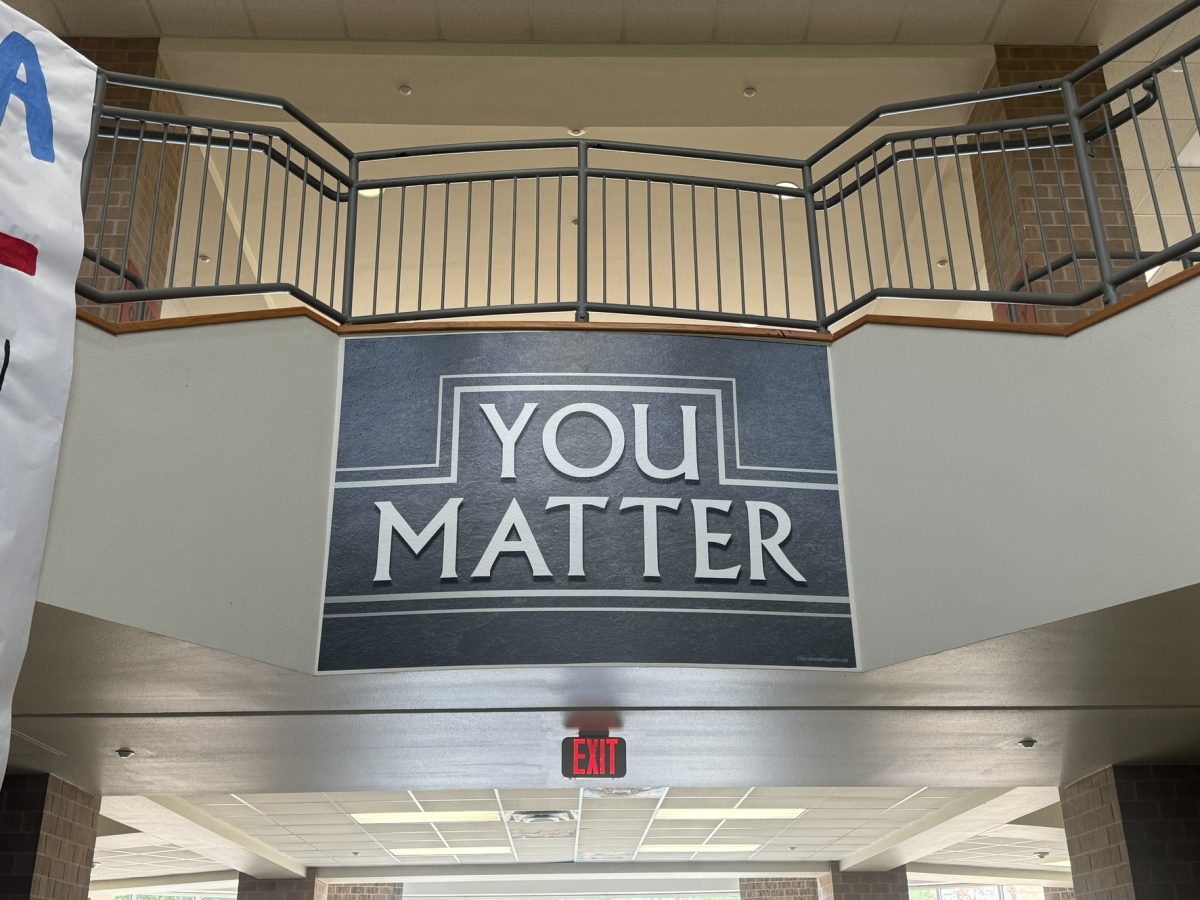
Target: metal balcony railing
1075, 203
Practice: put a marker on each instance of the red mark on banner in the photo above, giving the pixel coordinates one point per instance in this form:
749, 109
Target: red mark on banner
18, 254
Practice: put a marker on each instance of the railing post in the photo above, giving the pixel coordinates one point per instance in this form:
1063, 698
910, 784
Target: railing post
1088, 182
89, 155
351, 235
581, 237
814, 249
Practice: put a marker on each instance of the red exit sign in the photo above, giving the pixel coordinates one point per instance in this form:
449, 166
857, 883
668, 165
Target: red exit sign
593, 756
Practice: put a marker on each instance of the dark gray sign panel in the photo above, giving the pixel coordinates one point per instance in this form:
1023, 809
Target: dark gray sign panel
545, 498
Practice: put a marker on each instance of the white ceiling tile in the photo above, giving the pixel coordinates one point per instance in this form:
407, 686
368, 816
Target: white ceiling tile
854, 21
318, 19
43, 12
113, 17
670, 21
762, 21
203, 18
947, 21
1112, 20
1038, 22
485, 20
572, 21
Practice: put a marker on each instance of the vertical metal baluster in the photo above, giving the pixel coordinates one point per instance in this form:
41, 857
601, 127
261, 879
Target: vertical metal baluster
581, 235
317, 245
137, 167
987, 203
604, 239
962, 190
512, 267
237, 275
787, 293
1119, 168
903, 218
162, 158
303, 210
224, 206
628, 256
1087, 181
937, 171
287, 190
337, 223
1162, 110
445, 239
737, 199
887, 254
262, 226
200, 215
558, 242
850, 267
104, 205
1137, 128
1062, 192
674, 281
176, 234
860, 189
421, 257
649, 243
812, 236
916, 163
469, 235
829, 248
491, 235
717, 244
537, 235
1037, 207
399, 241
379, 201
1012, 202
762, 252
695, 249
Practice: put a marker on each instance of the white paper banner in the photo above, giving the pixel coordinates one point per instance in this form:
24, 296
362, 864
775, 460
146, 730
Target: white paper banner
46, 94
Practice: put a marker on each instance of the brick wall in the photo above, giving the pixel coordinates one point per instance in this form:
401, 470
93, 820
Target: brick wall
1133, 833
47, 838
366, 891
1031, 208
133, 226
307, 888
777, 889
839, 885
1059, 893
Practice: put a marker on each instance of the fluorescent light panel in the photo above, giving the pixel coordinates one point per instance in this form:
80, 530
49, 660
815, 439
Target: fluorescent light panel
450, 851
740, 812
698, 848
425, 818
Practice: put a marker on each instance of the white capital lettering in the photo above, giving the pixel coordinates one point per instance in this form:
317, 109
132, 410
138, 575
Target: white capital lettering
774, 544
616, 438
575, 505
514, 520
650, 507
706, 539
390, 521
689, 468
508, 435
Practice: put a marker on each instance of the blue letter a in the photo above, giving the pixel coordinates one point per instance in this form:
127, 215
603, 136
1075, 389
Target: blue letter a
17, 52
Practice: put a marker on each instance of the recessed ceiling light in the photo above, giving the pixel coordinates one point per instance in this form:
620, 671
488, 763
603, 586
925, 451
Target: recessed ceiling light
791, 185
750, 91
741, 812
698, 848
530, 816
405, 90
425, 818
204, 258
576, 131
942, 263
370, 193
451, 851
124, 753
1027, 743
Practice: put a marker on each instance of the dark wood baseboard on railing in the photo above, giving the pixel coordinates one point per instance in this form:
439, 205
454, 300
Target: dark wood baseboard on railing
737, 331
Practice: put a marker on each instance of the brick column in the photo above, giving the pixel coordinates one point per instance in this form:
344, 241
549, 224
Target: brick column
47, 838
777, 888
1024, 220
839, 885
127, 179
1059, 893
366, 891
1133, 833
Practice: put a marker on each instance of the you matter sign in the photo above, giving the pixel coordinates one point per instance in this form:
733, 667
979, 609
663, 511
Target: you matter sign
46, 93
565, 497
